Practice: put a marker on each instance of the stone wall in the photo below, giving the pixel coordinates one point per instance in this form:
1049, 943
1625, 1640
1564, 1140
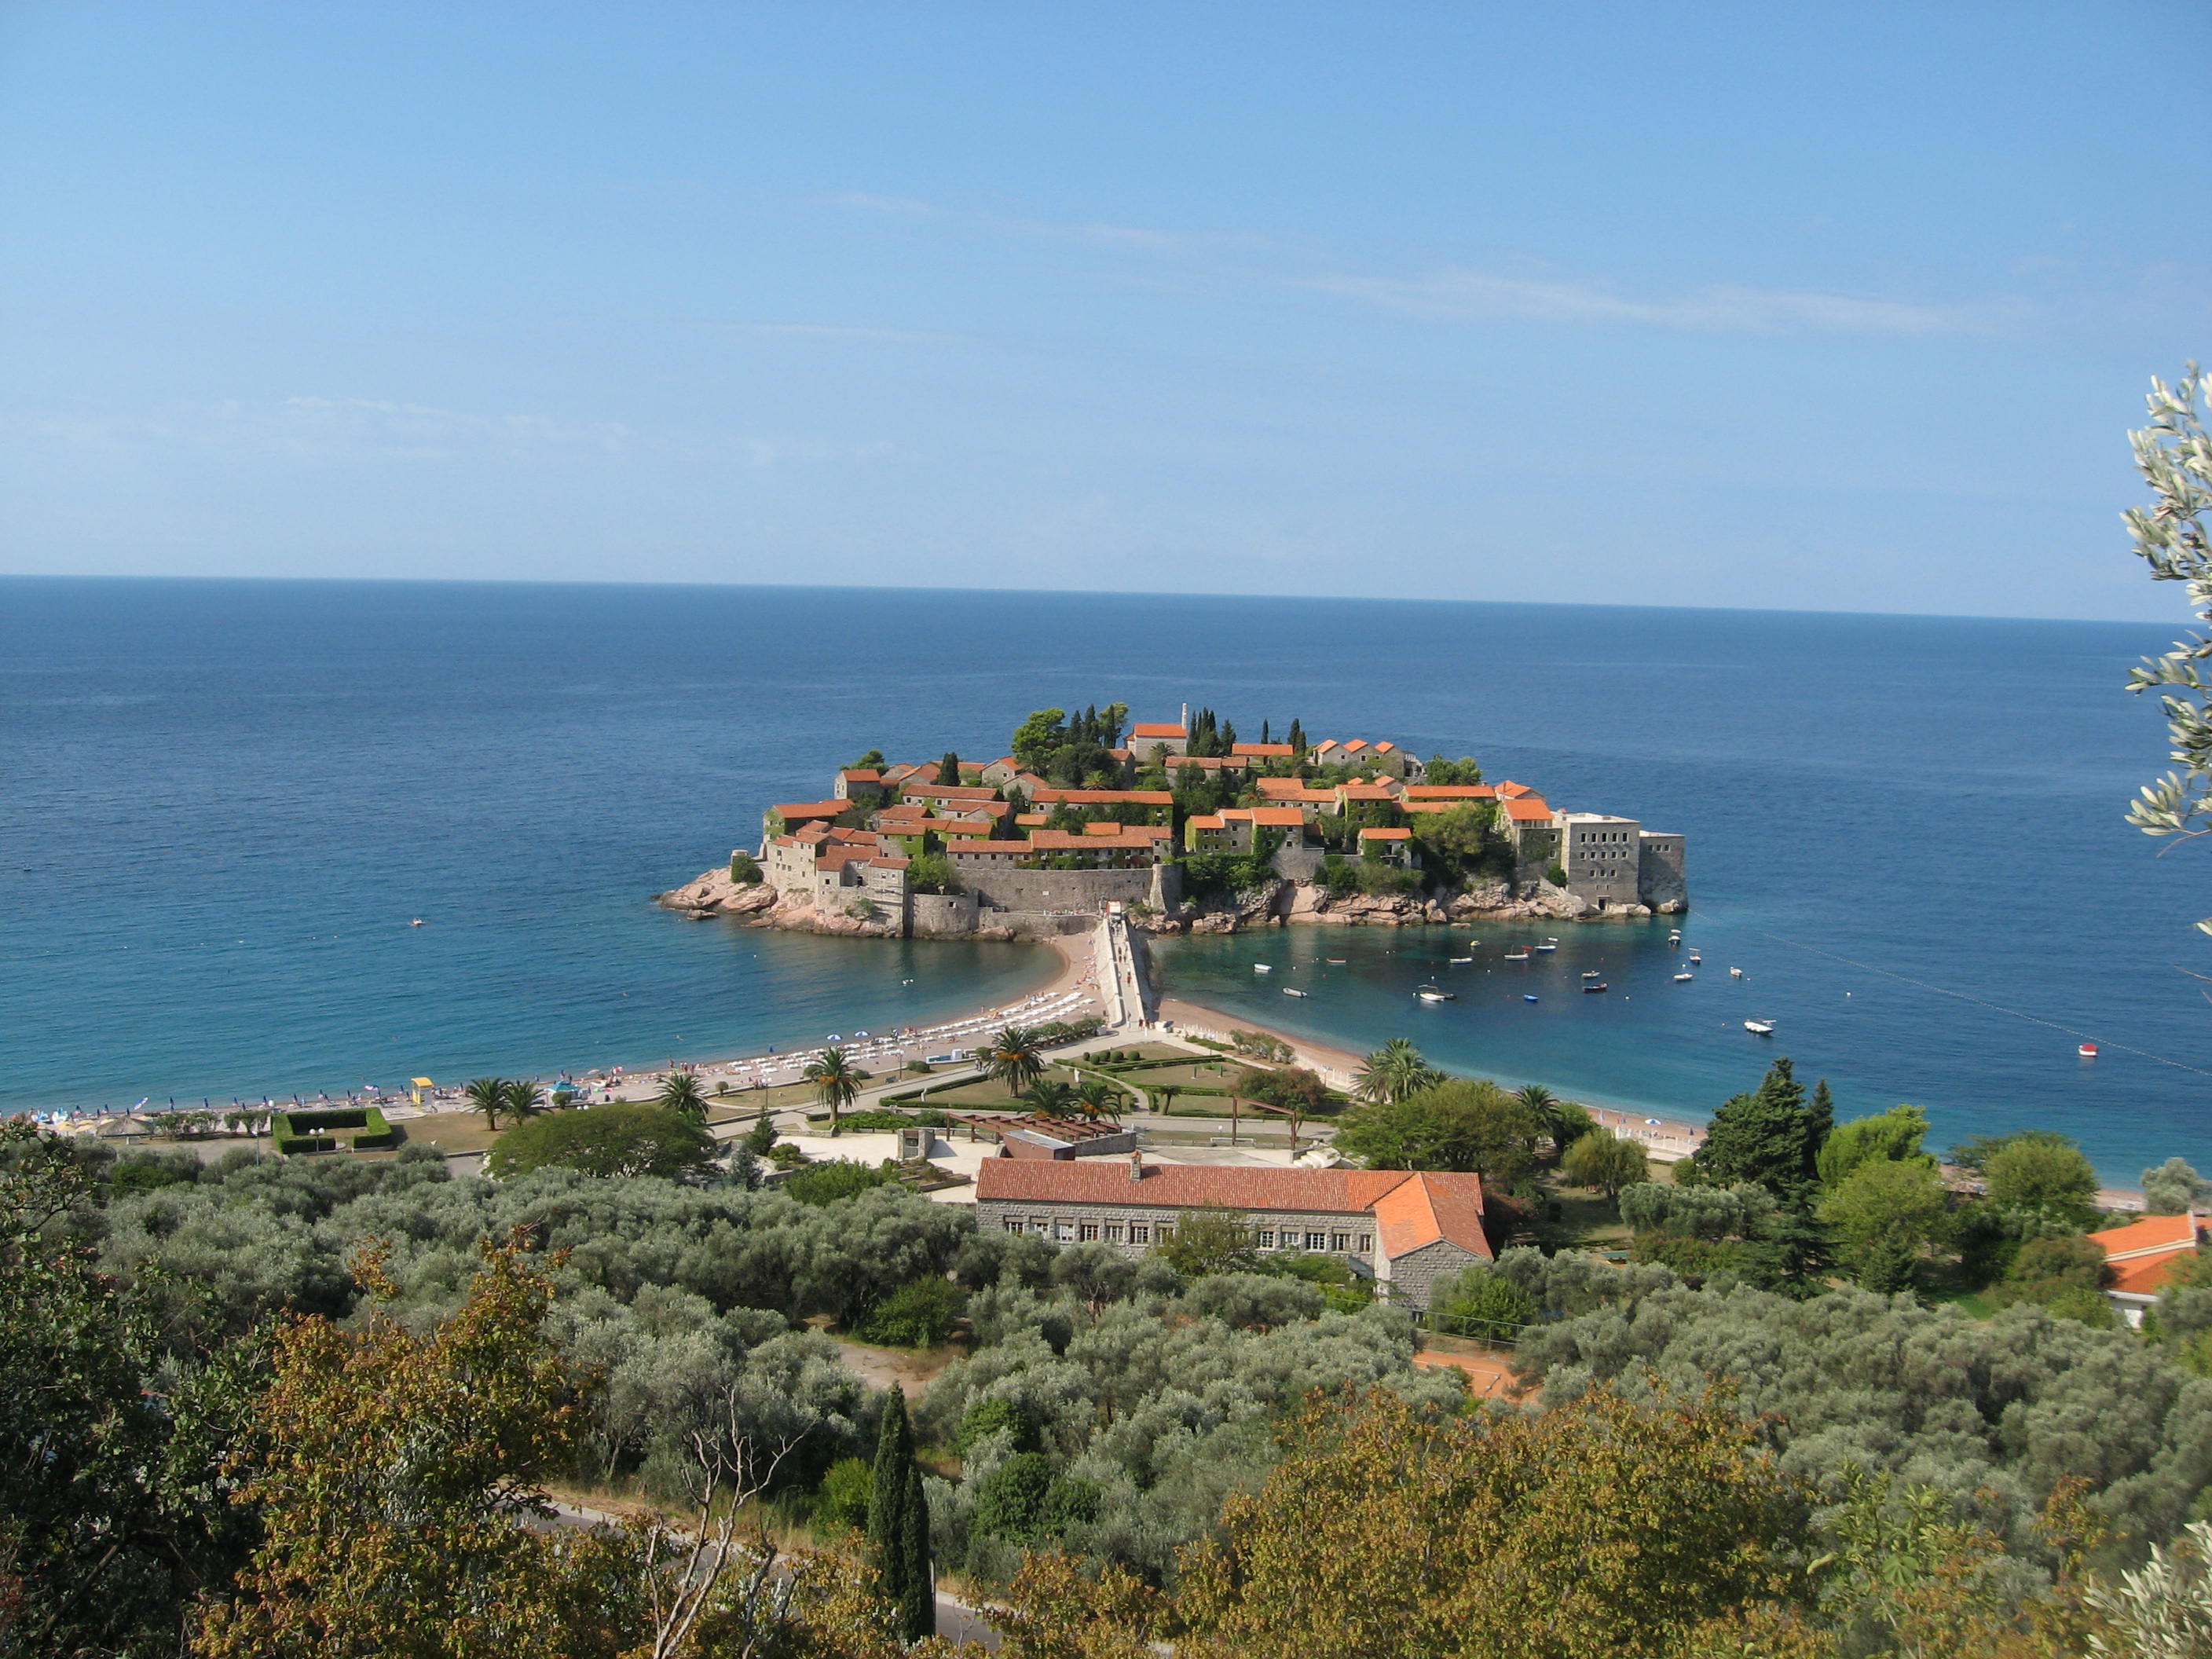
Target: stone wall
1412, 1276
1662, 873
1058, 890
941, 916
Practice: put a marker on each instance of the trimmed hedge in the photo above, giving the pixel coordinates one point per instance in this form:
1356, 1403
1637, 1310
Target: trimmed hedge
318, 1131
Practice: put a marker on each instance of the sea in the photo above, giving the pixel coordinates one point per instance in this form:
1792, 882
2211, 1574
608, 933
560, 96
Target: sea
223, 804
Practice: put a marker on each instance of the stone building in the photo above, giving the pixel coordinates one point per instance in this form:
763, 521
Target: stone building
1612, 861
1404, 1230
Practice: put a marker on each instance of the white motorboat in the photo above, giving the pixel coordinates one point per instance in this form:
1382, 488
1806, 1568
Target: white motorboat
1292, 991
1457, 960
1520, 955
1435, 994
1684, 979
1263, 967
1759, 1027
1548, 944
1694, 957
1736, 973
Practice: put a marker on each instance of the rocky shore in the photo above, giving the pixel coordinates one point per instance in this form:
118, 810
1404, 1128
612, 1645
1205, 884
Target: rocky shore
759, 905
1280, 903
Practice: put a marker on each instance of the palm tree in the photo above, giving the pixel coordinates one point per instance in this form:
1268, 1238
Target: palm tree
1012, 1057
1098, 1098
523, 1098
1165, 1093
488, 1095
835, 1081
681, 1093
1050, 1099
1545, 1107
1393, 1073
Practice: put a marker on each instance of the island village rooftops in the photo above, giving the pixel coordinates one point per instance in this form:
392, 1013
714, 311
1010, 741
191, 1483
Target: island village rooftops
948, 791
1264, 750
1103, 798
1452, 791
1099, 837
800, 811
1365, 792
1289, 789
1386, 834
1528, 809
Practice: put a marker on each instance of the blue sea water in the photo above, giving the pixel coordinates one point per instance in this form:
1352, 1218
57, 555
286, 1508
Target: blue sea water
221, 802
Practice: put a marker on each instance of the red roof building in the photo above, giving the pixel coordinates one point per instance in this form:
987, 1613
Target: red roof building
1405, 1229
2142, 1254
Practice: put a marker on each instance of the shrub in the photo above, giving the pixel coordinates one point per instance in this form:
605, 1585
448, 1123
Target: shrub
1387, 881
1010, 1502
845, 1494
743, 871
876, 1119
1479, 1302
919, 1315
1338, 878
825, 1183
1556, 874
930, 1117
318, 1132
620, 1137
995, 1415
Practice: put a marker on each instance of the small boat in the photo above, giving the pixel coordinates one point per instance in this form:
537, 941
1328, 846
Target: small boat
1457, 960
1263, 967
1520, 955
1759, 1027
1592, 973
1594, 986
417, 922
1529, 996
1435, 994
1338, 962
1684, 979
2088, 1051
1548, 944
1736, 973
1695, 959
1292, 991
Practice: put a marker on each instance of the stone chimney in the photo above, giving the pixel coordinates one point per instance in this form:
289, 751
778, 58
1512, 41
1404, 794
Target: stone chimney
1136, 1166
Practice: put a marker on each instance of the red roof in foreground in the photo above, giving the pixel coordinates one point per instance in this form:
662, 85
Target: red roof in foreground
1410, 1209
2142, 1253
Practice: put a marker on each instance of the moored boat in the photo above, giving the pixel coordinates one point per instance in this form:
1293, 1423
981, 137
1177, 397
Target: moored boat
1521, 955
2088, 1051
1684, 979
1759, 1027
1263, 967
1292, 991
1736, 973
1594, 986
1437, 994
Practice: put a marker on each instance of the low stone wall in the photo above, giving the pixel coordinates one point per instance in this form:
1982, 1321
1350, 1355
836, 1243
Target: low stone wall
941, 916
1058, 889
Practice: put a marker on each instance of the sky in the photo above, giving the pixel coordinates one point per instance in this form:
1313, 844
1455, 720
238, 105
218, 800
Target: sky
1822, 308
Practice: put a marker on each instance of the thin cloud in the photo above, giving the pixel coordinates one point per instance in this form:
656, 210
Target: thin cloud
831, 332
1461, 294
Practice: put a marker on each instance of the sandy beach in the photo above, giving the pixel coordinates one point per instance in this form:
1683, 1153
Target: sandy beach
1667, 1139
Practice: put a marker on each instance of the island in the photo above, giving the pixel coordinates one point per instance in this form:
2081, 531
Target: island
1180, 827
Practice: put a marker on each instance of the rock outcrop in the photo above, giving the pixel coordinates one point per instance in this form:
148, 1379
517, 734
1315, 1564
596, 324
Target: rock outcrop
1286, 903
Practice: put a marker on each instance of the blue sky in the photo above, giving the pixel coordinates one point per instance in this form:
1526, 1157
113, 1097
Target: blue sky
1842, 307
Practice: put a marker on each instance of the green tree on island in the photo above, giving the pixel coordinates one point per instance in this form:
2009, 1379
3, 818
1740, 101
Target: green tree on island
948, 770
1605, 1161
1884, 1215
1772, 1136
1469, 1125
898, 1524
835, 1081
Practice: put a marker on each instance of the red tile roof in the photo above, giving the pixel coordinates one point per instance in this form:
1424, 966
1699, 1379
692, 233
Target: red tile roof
1451, 791
950, 792
2142, 1253
1276, 816
1264, 749
791, 811
1210, 821
1386, 834
1365, 792
1527, 809
1104, 797
1157, 730
1411, 1209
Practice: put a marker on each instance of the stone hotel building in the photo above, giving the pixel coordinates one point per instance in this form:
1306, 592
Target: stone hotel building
1404, 1230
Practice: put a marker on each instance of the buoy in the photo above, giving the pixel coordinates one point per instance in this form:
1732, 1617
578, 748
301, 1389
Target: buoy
2088, 1051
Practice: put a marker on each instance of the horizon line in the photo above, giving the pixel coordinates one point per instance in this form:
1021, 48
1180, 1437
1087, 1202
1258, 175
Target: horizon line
2186, 620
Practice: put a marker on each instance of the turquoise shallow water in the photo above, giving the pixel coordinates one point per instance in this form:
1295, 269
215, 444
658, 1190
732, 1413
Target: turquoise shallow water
220, 802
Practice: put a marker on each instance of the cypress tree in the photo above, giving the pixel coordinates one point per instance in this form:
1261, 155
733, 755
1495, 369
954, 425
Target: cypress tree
948, 769
1296, 738
898, 1525
1819, 1124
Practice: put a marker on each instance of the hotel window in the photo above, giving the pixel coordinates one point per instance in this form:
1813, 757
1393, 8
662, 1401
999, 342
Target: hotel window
1063, 1230
1039, 1224
1339, 1242
1113, 1232
1087, 1230
1316, 1241
1366, 1242
1013, 1225
1139, 1233
1266, 1238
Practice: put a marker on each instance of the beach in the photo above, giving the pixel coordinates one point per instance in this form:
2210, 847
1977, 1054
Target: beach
1666, 1139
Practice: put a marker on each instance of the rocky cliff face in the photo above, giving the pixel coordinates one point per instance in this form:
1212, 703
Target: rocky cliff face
759, 905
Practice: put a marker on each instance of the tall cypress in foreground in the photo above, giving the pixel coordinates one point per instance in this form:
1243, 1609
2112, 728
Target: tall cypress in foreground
898, 1525
948, 769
